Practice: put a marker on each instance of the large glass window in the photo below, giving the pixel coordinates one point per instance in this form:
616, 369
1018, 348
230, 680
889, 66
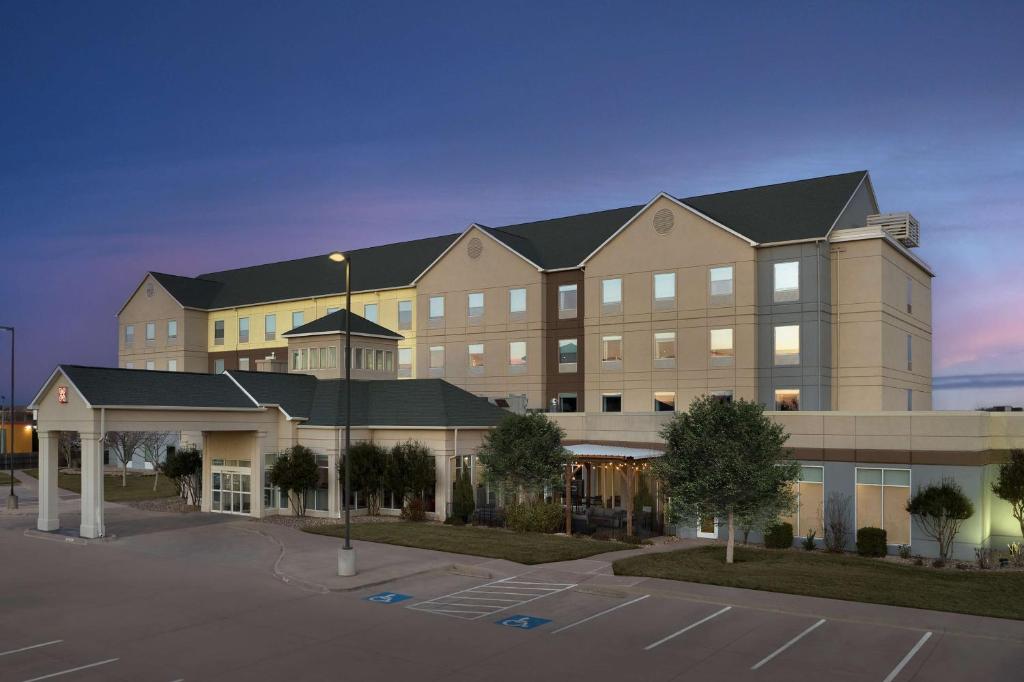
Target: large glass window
722, 351
437, 357
437, 307
721, 287
517, 302
787, 282
404, 363
882, 496
611, 402
318, 498
566, 301
475, 302
270, 327
664, 401
611, 296
172, 329
405, 314
370, 312
810, 500
664, 349
218, 332
787, 345
611, 351
297, 319
243, 330
476, 356
787, 399
517, 354
568, 354
231, 492
300, 359
664, 290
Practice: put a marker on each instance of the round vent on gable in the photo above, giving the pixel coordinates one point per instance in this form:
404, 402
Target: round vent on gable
475, 247
664, 220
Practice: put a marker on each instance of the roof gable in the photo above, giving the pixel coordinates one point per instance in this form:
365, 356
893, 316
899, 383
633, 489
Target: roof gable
334, 323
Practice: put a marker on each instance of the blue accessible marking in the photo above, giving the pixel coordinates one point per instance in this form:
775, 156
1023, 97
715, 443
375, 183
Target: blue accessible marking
388, 597
522, 622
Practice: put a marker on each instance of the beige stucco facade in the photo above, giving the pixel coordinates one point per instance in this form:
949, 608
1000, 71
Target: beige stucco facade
151, 304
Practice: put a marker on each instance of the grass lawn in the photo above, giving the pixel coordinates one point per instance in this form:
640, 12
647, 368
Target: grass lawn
523, 548
140, 486
846, 577
5, 478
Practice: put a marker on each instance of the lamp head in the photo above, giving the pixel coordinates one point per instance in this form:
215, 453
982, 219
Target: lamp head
337, 256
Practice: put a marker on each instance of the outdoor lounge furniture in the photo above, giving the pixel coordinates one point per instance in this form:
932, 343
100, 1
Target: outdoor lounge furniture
603, 517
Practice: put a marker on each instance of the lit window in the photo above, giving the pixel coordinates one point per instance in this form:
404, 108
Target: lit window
300, 359
611, 350
664, 349
517, 353
611, 402
722, 351
436, 307
243, 330
405, 362
910, 352
370, 312
437, 357
405, 314
297, 319
787, 399
332, 357
664, 402
243, 364
218, 332
357, 358
611, 296
568, 355
809, 490
882, 496
787, 282
476, 305
368, 362
566, 301
129, 334
517, 301
787, 345
476, 356
172, 365
379, 361
664, 290
218, 366
172, 329
150, 364
389, 361
151, 331
270, 327
724, 396
721, 285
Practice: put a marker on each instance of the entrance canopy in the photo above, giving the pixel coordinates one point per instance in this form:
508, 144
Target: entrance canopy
597, 450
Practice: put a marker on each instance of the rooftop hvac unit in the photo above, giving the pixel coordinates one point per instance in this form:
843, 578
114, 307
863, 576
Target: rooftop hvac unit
900, 226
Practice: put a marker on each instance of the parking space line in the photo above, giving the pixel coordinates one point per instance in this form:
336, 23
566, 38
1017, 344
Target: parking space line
484, 593
687, 628
602, 613
787, 645
34, 646
906, 659
73, 670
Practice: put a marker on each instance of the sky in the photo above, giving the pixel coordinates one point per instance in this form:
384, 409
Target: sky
189, 137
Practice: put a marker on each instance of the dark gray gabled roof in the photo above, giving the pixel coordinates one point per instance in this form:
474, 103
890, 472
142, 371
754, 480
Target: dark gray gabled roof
190, 292
292, 392
335, 322
110, 386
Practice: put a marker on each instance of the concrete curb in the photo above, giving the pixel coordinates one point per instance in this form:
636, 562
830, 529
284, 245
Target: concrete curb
56, 536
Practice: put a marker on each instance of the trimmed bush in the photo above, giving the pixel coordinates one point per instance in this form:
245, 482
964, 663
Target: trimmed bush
535, 518
463, 503
871, 541
415, 510
779, 536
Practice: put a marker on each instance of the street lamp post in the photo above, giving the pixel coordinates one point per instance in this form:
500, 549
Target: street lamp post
12, 499
347, 554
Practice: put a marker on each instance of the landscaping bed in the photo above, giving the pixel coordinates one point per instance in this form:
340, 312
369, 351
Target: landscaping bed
839, 576
496, 543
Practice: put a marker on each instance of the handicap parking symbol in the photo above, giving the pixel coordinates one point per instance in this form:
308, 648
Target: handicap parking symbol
388, 597
522, 622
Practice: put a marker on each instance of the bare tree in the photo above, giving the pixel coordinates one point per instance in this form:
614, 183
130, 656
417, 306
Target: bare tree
124, 445
153, 446
69, 448
837, 521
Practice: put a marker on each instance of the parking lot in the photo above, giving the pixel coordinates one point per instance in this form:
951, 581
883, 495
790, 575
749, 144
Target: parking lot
200, 602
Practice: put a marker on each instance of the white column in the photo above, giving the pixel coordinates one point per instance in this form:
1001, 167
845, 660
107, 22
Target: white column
92, 487
206, 496
259, 460
49, 519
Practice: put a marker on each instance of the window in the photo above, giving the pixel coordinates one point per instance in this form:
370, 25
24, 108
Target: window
882, 496
787, 282
129, 334
379, 361
723, 396
218, 332
787, 345
568, 355
517, 356
910, 352
151, 331
332, 357
405, 314
243, 364
475, 309
664, 401
910, 400
314, 358
172, 329
437, 307
300, 359
297, 319
436, 358
404, 362
611, 402
370, 312
722, 351
129, 365
611, 296
664, 290
611, 352
318, 497
332, 309
357, 358
269, 327
243, 330
476, 358
566, 301
150, 364
517, 303
721, 285
910, 295
567, 402
787, 399
172, 365
810, 501
218, 366
664, 350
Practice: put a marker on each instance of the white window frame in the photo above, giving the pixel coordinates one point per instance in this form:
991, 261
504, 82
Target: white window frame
518, 368
799, 532
513, 313
664, 302
883, 484
373, 316
430, 308
172, 365
482, 367
172, 329
775, 346
720, 361
150, 331
783, 295
430, 359
611, 306
669, 362
270, 326
301, 318
247, 366
223, 332
404, 324
248, 326
721, 299
617, 363
470, 307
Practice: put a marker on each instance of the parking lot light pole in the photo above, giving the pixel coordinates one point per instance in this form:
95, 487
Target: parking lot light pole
347, 554
12, 499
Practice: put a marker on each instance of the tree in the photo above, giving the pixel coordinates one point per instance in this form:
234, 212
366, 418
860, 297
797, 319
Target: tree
941, 508
1010, 485
184, 466
124, 445
411, 469
724, 459
524, 452
837, 521
153, 445
295, 471
69, 448
369, 462
760, 518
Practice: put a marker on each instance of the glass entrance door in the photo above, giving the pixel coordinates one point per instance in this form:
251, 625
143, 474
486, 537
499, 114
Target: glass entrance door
232, 492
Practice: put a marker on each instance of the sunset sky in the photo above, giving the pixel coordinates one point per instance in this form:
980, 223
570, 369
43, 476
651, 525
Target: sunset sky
184, 137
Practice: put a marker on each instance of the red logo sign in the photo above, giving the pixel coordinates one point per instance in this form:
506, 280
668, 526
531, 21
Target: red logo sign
62, 394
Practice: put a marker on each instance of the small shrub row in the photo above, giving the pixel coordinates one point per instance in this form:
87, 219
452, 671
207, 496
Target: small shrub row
542, 517
871, 542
